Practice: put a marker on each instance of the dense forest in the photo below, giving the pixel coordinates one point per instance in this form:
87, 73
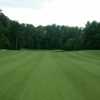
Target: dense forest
14, 35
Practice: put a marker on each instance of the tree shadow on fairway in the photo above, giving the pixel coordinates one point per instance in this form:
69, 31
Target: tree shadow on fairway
55, 51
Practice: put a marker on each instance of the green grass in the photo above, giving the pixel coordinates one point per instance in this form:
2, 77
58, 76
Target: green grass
49, 75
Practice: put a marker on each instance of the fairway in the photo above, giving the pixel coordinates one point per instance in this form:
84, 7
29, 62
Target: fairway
49, 75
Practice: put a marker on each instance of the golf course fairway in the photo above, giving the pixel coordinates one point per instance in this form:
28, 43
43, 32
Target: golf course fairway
49, 75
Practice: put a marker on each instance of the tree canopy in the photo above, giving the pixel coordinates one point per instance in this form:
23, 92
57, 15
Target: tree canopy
14, 35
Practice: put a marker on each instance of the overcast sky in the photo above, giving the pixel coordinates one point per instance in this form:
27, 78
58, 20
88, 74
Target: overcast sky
44, 12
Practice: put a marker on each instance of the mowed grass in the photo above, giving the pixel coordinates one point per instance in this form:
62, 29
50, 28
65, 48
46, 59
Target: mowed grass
49, 75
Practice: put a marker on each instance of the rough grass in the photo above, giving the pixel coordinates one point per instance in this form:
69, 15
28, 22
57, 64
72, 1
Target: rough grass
49, 75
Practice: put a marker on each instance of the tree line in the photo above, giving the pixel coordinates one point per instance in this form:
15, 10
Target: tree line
14, 35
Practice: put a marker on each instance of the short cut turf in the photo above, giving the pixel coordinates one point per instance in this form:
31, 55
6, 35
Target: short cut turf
49, 75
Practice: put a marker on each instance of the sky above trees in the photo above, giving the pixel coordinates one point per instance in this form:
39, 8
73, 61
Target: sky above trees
44, 12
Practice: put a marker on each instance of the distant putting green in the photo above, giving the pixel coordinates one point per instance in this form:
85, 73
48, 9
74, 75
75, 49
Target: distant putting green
49, 75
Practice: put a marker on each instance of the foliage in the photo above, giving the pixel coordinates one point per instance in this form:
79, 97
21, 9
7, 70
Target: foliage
14, 35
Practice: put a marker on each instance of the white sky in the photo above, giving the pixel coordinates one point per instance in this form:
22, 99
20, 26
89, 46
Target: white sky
44, 12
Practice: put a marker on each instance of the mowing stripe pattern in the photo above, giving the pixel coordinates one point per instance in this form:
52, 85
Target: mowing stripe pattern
49, 75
